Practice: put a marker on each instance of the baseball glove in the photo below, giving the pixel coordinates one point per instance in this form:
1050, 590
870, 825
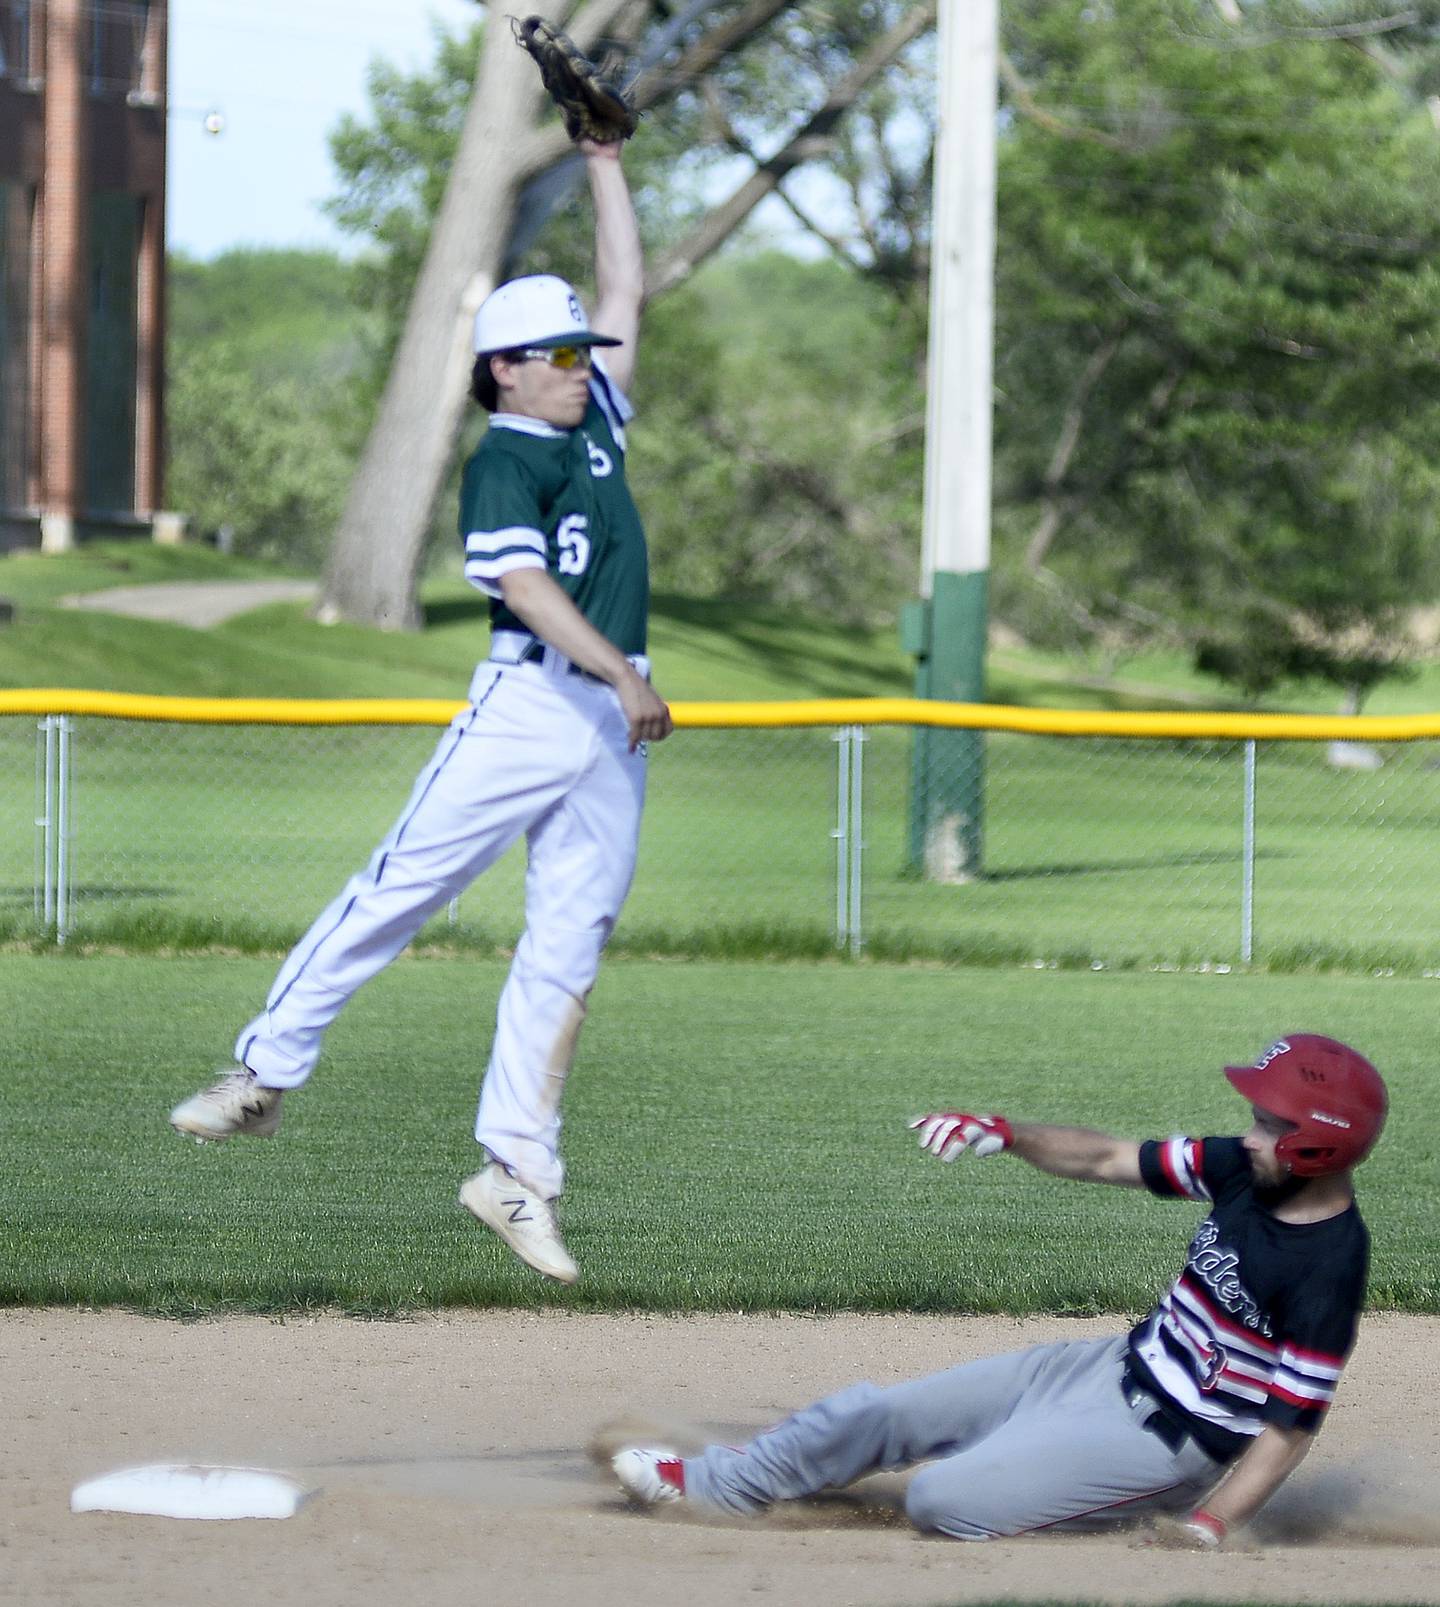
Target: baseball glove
591, 102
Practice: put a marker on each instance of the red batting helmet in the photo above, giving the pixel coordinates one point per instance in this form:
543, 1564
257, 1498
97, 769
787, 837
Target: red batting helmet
1334, 1096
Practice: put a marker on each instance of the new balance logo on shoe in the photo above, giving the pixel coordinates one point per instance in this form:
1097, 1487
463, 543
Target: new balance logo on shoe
237, 1104
525, 1221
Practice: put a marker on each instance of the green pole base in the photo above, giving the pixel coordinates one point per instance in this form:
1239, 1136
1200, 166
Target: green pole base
947, 793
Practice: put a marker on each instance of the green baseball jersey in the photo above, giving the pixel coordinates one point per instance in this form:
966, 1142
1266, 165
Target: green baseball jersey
538, 497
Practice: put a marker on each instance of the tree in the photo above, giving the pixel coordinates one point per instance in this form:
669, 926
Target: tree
502, 145
263, 352
1217, 264
774, 456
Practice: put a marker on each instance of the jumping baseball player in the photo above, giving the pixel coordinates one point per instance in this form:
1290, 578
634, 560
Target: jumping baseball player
1202, 1410
551, 745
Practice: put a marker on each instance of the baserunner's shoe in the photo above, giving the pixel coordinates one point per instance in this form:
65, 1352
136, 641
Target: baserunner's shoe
235, 1104
650, 1474
521, 1218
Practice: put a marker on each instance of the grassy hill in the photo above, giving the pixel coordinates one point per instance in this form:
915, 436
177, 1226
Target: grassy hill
702, 649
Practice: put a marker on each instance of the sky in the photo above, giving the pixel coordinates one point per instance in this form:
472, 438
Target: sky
280, 73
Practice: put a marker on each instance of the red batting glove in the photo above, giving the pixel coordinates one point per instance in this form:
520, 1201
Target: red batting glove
952, 1132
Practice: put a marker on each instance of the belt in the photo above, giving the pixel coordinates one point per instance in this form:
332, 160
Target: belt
1172, 1426
1167, 1423
1166, 1426
535, 654
520, 647
510, 647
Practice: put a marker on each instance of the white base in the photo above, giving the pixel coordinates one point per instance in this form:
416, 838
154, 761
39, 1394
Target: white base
180, 1490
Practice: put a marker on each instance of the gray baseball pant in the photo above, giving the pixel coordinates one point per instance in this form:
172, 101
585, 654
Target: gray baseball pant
1019, 1442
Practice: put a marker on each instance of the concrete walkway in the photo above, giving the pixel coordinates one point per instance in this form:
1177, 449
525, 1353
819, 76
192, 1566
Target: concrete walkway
197, 603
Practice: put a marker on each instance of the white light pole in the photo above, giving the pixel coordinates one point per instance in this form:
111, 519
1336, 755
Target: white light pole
946, 629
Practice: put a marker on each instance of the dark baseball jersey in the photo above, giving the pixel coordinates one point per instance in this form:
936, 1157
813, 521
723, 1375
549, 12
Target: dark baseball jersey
538, 497
1258, 1325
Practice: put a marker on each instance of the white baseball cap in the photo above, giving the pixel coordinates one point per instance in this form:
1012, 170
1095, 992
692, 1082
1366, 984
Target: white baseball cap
540, 310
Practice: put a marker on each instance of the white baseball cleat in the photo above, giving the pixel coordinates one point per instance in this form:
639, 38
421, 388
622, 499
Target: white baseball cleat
235, 1104
525, 1221
651, 1475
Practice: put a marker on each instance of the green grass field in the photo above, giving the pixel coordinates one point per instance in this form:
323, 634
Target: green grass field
734, 1130
734, 1134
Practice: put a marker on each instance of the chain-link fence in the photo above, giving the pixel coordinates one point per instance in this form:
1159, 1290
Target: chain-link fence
1091, 849
1176, 852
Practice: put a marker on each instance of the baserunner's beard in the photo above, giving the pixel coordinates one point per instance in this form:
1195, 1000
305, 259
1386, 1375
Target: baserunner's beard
1272, 1194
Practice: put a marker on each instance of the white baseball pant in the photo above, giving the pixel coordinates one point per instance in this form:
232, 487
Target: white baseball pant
541, 751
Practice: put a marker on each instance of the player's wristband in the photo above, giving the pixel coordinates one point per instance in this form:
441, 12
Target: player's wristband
1001, 1129
1207, 1524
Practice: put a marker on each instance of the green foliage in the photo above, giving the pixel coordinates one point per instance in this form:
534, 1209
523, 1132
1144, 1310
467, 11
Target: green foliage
393, 168
1216, 282
284, 314
876, 175
266, 465
1249, 234
101, 1204
265, 406
753, 481
776, 453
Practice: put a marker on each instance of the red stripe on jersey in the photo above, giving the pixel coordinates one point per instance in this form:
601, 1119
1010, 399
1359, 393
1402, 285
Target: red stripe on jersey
1312, 1402
1317, 1358
1245, 1371
1167, 1165
1243, 1384
1222, 1321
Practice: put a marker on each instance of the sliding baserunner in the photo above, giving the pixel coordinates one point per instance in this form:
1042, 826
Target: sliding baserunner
1200, 1413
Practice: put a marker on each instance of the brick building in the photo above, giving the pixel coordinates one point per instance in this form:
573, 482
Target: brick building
82, 253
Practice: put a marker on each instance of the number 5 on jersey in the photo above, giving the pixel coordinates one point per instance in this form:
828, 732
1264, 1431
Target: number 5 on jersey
574, 544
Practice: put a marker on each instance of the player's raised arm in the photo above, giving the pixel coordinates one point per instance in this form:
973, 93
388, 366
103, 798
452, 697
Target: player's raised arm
619, 264
599, 116
1075, 1152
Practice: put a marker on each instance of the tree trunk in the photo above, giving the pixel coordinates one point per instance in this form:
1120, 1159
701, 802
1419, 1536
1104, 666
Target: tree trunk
1053, 503
375, 557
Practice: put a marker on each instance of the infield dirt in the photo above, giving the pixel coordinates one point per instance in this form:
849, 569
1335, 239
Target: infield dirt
447, 1457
